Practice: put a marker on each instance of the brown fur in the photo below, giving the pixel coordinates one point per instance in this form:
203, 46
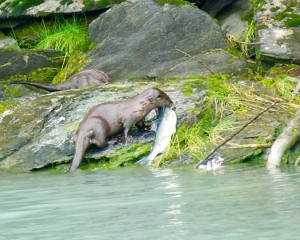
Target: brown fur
78, 80
110, 118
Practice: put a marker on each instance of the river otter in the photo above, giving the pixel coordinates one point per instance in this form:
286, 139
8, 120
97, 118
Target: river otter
78, 80
109, 118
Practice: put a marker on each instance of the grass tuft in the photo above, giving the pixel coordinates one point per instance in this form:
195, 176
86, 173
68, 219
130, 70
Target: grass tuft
65, 36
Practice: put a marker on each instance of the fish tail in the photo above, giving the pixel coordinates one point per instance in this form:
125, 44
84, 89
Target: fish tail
145, 161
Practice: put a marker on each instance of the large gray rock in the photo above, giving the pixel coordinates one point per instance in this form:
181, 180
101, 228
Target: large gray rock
279, 23
141, 38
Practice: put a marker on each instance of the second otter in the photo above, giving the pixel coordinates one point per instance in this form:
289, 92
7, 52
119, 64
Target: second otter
78, 80
109, 118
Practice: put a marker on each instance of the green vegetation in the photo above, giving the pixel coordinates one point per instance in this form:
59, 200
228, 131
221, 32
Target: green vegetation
74, 64
122, 157
8, 93
7, 105
293, 21
224, 100
91, 4
69, 37
68, 2
277, 81
19, 6
65, 36
174, 2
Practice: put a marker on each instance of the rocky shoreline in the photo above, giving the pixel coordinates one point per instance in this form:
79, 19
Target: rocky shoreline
142, 44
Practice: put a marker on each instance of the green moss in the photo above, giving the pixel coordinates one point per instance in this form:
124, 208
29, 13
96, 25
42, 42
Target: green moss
7, 105
72, 126
257, 5
68, 2
122, 157
11, 91
187, 91
247, 17
174, 2
76, 62
20, 6
293, 3
92, 45
91, 4
274, 9
40, 75
294, 21
261, 26
282, 87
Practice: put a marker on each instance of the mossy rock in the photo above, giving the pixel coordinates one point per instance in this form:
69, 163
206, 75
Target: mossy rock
32, 65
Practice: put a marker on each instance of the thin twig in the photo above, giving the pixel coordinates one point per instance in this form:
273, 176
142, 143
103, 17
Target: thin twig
196, 60
247, 43
234, 134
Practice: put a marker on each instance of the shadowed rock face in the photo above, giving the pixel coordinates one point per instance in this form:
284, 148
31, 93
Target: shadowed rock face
141, 38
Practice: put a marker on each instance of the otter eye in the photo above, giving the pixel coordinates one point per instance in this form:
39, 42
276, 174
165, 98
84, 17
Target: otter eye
158, 96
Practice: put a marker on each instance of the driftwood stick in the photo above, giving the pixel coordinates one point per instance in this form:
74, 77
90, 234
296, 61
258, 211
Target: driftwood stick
285, 141
258, 145
196, 60
234, 134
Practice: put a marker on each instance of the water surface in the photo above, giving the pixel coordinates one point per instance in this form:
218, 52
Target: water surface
235, 202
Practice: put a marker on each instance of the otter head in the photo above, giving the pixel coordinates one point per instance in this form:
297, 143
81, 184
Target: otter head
161, 99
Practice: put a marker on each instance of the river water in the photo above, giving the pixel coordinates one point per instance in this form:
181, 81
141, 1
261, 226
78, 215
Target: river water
236, 202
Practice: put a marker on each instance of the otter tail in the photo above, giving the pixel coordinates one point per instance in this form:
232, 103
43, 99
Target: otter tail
45, 86
81, 146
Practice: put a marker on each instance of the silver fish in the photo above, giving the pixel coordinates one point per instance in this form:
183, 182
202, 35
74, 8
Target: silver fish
165, 127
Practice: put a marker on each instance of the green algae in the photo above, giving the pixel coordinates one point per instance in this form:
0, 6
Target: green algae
91, 4
174, 2
7, 105
76, 62
125, 156
68, 2
43, 75
19, 6
293, 21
